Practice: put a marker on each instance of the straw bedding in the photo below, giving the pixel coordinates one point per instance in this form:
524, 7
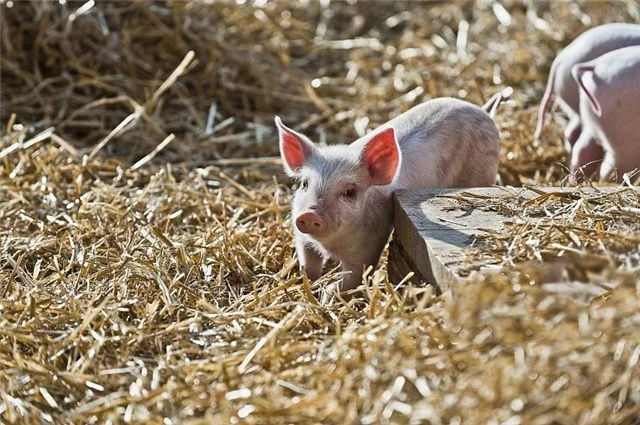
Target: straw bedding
147, 273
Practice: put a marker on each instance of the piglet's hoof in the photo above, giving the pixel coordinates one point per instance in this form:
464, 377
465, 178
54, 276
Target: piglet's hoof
329, 293
333, 292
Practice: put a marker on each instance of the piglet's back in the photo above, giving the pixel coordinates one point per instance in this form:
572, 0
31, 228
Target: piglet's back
589, 45
446, 142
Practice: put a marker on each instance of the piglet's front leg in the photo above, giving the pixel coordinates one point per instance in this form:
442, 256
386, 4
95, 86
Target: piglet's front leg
309, 258
354, 267
351, 280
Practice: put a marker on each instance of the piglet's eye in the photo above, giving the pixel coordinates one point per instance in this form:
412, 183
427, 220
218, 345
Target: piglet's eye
350, 193
304, 184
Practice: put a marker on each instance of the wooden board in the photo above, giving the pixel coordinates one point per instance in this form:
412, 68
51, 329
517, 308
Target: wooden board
432, 231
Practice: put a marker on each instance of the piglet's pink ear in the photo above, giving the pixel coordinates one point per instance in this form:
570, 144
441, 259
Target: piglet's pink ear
381, 156
295, 148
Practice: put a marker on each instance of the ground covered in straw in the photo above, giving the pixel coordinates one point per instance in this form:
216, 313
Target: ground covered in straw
147, 273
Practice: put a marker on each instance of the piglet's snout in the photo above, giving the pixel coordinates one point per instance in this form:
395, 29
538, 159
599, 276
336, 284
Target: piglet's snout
311, 223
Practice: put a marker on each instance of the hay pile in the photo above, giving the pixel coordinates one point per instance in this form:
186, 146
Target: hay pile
585, 232
147, 268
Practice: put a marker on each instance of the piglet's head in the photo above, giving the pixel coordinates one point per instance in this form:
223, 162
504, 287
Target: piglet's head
331, 200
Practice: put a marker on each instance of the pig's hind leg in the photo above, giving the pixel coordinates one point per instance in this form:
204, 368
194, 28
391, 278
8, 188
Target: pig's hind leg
586, 156
572, 132
608, 169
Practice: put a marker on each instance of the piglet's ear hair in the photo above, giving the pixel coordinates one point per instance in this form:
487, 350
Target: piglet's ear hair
295, 148
381, 157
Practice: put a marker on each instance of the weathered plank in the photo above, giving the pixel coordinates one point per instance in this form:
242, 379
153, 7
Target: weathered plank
432, 232
430, 236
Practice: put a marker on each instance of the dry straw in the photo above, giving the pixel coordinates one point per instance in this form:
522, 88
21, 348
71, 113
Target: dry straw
147, 273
